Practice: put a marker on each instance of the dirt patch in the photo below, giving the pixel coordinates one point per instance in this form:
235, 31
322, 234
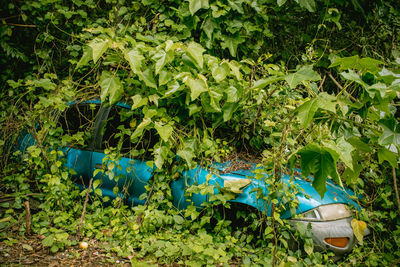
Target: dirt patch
31, 252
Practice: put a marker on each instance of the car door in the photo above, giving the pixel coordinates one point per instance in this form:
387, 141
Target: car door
127, 175
78, 123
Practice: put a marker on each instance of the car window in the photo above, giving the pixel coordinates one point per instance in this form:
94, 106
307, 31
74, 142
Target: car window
77, 122
120, 125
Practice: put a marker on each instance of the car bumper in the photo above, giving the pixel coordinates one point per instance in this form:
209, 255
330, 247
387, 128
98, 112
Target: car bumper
332, 229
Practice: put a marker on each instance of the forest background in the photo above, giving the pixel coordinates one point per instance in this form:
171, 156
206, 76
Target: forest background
305, 83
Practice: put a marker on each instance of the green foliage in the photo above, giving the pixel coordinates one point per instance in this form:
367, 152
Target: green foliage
287, 81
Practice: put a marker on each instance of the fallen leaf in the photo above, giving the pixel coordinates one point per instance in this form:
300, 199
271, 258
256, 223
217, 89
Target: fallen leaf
358, 229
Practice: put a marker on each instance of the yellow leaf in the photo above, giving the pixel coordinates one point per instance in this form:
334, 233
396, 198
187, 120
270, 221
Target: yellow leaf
358, 229
236, 185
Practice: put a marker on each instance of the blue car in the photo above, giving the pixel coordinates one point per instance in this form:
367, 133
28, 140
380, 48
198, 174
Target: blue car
101, 127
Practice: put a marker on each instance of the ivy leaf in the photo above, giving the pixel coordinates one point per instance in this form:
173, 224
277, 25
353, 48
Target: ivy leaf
138, 101
391, 132
96, 183
229, 109
317, 160
358, 229
196, 51
99, 47
235, 68
86, 57
281, 2
236, 185
208, 27
308, 4
232, 94
48, 241
160, 155
187, 154
197, 86
195, 5
232, 43
236, 5
111, 87
193, 109
140, 128
47, 84
164, 77
164, 131
148, 78
306, 73
173, 87
134, 58
162, 58
220, 72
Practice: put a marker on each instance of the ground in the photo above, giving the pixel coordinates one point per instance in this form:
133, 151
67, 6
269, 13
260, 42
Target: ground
29, 251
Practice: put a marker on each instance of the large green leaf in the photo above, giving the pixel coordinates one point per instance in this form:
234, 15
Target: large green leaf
148, 78
160, 155
308, 109
391, 132
308, 4
306, 112
229, 109
161, 58
264, 82
355, 63
140, 128
385, 154
318, 161
195, 5
281, 2
219, 72
111, 87
86, 57
306, 73
138, 101
187, 154
195, 51
135, 59
197, 86
164, 131
99, 47
164, 77
342, 149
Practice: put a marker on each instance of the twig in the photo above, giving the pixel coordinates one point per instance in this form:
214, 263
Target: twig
28, 217
22, 25
395, 263
342, 89
395, 188
139, 219
260, 107
78, 233
275, 239
322, 84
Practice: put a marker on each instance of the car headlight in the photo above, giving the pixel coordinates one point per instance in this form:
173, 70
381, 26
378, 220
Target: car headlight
326, 213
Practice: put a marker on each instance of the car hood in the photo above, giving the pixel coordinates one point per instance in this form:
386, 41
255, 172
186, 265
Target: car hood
308, 197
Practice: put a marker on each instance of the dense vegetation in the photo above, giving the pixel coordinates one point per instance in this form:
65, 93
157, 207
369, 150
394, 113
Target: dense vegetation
307, 83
